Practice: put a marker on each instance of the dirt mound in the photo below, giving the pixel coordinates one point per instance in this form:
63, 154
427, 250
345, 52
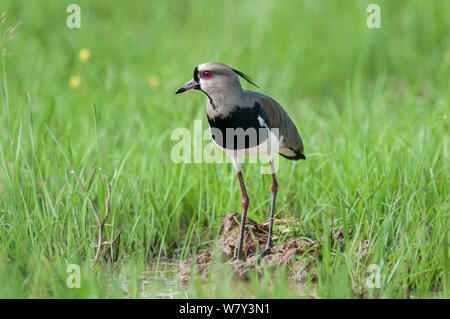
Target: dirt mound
255, 238
255, 235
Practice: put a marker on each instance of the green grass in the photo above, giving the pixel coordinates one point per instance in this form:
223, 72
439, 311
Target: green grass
372, 107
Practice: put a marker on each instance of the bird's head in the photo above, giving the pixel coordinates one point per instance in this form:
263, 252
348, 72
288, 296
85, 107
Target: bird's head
214, 77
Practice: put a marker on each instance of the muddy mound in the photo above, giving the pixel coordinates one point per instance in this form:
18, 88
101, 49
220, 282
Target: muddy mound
255, 235
255, 239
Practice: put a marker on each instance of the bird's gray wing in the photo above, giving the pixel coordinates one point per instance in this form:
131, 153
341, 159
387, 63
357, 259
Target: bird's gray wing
292, 145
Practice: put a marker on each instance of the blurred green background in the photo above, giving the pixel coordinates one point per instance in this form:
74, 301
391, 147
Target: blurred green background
372, 106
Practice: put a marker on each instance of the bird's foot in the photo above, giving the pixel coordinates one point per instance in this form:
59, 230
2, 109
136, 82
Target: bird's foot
267, 251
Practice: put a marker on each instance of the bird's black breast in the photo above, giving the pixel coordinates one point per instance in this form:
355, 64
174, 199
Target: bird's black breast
240, 129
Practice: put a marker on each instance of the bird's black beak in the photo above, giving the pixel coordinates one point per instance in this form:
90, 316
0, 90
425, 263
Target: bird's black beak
192, 84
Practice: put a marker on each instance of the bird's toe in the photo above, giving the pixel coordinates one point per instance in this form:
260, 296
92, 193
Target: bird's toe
265, 252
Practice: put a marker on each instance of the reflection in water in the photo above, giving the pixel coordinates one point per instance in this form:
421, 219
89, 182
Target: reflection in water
159, 280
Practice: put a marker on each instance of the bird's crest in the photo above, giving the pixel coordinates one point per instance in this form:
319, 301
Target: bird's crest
245, 77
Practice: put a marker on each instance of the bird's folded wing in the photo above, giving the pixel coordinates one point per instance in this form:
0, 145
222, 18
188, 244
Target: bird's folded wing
291, 143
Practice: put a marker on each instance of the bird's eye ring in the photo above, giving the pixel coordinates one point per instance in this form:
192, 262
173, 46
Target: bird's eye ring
206, 74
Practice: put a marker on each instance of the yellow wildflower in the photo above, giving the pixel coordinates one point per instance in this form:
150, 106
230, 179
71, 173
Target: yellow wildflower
84, 55
74, 81
153, 81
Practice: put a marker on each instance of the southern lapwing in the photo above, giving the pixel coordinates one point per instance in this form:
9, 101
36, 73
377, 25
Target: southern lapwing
245, 123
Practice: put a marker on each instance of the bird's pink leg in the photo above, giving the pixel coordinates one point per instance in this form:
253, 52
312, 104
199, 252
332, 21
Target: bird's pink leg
245, 202
274, 191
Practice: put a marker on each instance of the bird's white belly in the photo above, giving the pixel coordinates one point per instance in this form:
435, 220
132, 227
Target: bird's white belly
267, 148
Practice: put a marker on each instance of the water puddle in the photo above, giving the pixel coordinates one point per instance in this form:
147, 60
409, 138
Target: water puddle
160, 280
163, 280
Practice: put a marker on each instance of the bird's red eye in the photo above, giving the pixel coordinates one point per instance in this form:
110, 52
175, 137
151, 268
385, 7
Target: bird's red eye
206, 74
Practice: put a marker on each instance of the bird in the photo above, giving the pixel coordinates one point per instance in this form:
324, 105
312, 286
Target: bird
245, 123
